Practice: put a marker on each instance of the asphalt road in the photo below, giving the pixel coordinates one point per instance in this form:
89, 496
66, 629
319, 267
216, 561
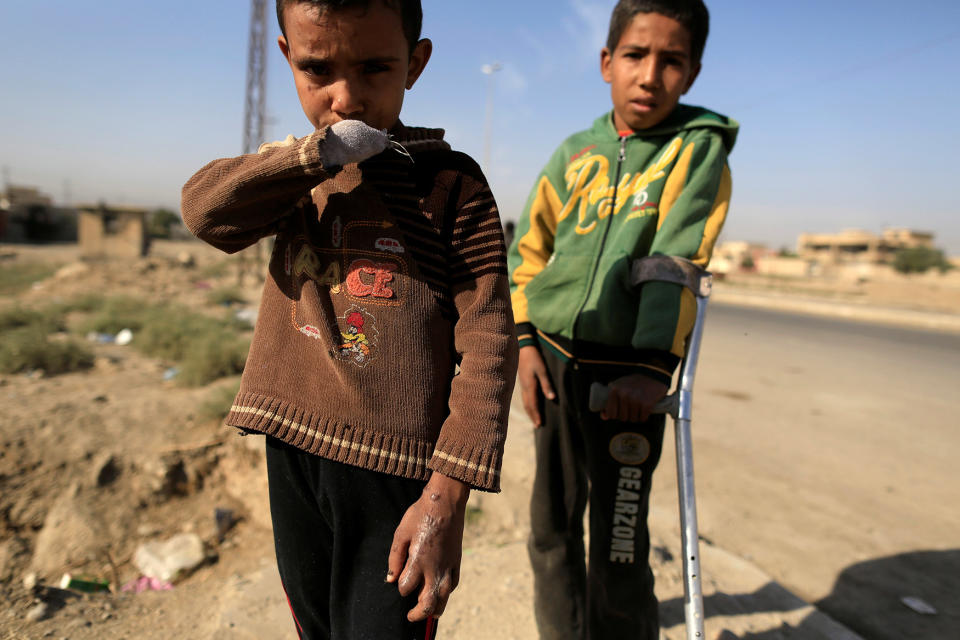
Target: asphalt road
827, 453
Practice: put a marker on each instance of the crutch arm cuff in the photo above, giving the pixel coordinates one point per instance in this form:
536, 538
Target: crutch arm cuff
658, 365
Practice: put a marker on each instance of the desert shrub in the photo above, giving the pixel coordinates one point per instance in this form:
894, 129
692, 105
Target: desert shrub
216, 405
17, 278
473, 515
920, 260
88, 303
29, 348
172, 332
17, 317
161, 221
217, 269
226, 296
111, 315
204, 348
212, 360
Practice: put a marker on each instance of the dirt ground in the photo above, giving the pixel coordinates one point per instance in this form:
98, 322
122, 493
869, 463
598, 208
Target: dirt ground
94, 464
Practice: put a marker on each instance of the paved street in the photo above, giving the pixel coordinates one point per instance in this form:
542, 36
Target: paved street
823, 446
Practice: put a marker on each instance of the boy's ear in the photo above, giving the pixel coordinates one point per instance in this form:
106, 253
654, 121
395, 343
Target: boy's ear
418, 61
694, 72
606, 56
284, 47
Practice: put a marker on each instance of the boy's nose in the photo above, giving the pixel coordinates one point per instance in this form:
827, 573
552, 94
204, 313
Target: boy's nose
650, 72
345, 99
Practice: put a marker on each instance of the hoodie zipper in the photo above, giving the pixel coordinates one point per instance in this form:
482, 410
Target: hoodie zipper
606, 230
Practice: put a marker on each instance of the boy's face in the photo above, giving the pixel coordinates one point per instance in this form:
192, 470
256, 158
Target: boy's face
648, 71
351, 64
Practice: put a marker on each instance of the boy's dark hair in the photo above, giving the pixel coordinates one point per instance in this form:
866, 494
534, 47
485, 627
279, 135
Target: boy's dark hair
411, 13
692, 14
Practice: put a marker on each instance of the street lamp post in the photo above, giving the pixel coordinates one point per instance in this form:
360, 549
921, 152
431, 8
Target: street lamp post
489, 70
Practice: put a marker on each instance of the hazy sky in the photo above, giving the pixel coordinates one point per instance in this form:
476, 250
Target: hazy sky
847, 107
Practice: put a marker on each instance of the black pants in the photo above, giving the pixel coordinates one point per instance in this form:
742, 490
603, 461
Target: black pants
333, 525
581, 457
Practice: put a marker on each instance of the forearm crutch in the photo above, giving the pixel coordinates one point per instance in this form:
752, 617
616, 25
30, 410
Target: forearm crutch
679, 406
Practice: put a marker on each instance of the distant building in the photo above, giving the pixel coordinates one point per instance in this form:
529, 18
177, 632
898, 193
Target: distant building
28, 215
854, 245
737, 255
112, 231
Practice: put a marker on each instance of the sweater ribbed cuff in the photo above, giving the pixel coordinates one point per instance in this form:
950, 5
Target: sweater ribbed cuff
526, 334
477, 466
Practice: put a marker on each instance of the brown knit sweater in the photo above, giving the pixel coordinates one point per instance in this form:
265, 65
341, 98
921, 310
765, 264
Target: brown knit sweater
384, 277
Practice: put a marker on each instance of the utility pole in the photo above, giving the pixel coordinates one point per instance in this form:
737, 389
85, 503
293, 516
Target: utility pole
488, 70
254, 113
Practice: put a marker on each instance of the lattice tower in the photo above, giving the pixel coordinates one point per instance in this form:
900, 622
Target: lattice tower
256, 102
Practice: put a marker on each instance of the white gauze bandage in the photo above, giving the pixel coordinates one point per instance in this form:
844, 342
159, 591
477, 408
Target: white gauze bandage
350, 141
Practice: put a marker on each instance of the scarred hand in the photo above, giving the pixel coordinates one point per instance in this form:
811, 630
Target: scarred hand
632, 398
350, 141
427, 546
534, 380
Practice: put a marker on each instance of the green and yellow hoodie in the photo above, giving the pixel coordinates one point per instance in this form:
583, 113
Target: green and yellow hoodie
604, 199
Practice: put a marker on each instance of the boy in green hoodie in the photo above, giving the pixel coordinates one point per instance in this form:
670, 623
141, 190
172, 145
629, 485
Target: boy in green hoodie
649, 178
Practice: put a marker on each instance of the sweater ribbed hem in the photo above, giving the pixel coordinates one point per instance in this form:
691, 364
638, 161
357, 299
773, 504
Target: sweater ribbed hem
329, 438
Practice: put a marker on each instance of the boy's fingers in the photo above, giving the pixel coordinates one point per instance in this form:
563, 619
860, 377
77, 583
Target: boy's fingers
645, 411
529, 395
612, 410
397, 558
445, 590
545, 385
409, 579
428, 604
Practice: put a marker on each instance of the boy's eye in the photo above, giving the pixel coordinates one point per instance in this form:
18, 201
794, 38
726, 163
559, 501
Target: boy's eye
316, 70
375, 67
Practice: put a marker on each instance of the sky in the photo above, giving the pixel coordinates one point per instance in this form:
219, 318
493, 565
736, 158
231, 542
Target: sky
847, 107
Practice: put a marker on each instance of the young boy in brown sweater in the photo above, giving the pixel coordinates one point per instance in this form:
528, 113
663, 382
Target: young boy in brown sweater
388, 271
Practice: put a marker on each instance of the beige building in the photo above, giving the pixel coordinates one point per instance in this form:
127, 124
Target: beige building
855, 245
116, 232
736, 255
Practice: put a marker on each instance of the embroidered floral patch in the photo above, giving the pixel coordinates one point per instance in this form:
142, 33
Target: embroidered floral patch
358, 336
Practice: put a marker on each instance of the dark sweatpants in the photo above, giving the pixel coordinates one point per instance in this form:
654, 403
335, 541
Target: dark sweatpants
581, 456
333, 525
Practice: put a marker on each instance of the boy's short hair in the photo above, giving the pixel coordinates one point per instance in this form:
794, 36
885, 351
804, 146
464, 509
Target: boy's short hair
411, 13
692, 14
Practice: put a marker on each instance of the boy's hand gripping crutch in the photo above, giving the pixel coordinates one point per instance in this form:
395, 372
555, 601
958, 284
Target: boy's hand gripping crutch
678, 405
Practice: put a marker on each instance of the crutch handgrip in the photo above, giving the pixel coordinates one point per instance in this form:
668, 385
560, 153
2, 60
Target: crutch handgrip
600, 392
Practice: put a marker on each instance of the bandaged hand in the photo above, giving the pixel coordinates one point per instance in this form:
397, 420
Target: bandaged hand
350, 141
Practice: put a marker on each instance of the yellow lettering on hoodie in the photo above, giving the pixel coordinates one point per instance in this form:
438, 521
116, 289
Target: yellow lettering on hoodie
588, 182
